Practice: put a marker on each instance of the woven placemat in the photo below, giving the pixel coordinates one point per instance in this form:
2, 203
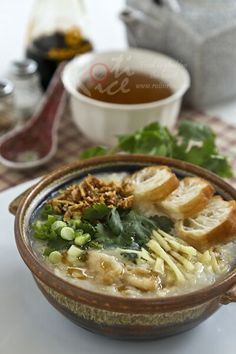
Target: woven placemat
72, 142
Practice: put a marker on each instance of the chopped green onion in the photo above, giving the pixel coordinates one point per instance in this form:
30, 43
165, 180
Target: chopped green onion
51, 219
58, 225
74, 251
81, 240
67, 233
55, 257
74, 223
95, 245
79, 233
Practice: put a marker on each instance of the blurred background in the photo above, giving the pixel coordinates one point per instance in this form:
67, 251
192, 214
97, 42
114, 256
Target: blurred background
102, 14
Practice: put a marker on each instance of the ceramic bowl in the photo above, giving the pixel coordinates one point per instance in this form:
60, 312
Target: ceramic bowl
109, 119
113, 316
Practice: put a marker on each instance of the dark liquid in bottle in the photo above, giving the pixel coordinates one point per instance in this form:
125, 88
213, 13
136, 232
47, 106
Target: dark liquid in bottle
49, 51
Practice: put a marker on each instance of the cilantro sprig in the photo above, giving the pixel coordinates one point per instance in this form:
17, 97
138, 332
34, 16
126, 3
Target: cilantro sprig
123, 228
99, 227
193, 142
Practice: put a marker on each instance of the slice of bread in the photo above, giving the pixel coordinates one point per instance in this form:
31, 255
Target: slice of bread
154, 183
192, 195
216, 224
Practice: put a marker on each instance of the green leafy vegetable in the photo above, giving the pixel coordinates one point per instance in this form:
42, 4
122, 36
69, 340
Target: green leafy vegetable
195, 131
98, 227
57, 244
163, 222
94, 151
153, 140
46, 210
193, 142
42, 231
96, 212
115, 223
128, 228
94, 244
87, 228
104, 235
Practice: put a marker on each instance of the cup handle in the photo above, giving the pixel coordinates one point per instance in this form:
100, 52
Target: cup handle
229, 296
13, 206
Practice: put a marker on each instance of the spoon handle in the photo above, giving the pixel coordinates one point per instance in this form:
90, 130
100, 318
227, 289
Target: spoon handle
38, 138
53, 101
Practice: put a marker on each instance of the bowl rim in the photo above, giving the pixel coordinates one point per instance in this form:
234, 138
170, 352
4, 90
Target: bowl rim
119, 106
112, 302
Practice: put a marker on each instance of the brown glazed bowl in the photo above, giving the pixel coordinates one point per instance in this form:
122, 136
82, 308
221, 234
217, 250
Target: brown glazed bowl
120, 317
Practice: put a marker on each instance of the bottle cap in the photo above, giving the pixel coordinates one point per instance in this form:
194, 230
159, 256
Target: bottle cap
24, 67
6, 87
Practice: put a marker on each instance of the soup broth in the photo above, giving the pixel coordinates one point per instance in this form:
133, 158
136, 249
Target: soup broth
135, 88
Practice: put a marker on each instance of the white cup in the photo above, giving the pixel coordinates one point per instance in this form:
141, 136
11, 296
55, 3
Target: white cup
103, 121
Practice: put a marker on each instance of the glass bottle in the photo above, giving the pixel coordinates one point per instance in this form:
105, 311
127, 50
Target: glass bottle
7, 110
56, 32
28, 93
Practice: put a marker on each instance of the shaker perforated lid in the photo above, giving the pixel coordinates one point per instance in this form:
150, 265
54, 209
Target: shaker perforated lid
24, 67
6, 87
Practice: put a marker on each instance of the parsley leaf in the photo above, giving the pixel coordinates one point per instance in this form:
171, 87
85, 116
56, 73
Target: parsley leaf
96, 212
163, 222
114, 222
153, 140
56, 245
128, 228
193, 142
195, 131
94, 151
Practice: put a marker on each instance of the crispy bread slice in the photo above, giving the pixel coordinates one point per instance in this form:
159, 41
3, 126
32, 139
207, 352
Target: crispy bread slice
154, 183
192, 195
216, 224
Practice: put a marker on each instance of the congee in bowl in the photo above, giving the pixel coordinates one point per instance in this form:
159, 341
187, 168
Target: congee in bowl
137, 235
131, 246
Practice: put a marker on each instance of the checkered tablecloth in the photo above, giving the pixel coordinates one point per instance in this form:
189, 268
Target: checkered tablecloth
226, 136
72, 142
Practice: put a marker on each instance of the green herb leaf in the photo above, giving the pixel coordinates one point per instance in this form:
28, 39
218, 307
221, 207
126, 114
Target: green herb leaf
163, 222
153, 140
42, 230
194, 142
104, 235
96, 212
195, 131
46, 210
114, 222
59, 244
87, 228
94, 245
206, 154
219, 165
94, 151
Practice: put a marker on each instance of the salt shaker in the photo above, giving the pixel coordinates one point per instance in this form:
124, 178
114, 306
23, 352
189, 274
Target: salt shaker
7, 109
28, 92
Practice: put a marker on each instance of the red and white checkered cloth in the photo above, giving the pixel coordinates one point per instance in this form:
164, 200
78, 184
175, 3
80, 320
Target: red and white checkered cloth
72, 142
